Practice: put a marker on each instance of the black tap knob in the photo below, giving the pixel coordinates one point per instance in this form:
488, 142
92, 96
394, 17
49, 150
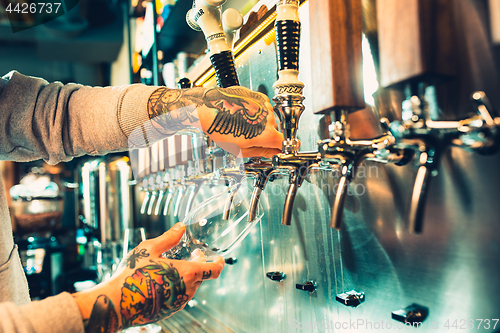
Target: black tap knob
351, 298
413, 313
309, 286
276, 276
184, 83
231, 260
225, 71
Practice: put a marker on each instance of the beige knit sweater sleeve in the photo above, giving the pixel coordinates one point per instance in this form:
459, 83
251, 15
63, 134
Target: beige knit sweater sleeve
56, 122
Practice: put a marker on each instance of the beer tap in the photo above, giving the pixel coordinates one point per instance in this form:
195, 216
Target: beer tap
347, 154
219, 33
162, 176
428, 138
415, 57
342, 95
152, 180
143, 167
232, 21
261, 171
205, 15
288, 108
288, 105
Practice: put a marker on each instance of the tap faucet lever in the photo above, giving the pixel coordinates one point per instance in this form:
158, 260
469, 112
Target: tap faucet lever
261, 171
144, 205
151, 202
426, 138
298, 165
232, 21
206, 16
158, 203
170, 194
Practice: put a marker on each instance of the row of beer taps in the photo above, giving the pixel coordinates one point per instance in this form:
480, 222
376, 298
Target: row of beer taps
172, 171
416, 137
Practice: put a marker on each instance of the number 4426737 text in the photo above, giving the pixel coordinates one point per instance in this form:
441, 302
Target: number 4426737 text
34, 8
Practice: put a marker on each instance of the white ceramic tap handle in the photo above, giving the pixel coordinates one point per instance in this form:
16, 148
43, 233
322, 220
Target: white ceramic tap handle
287, 28
232, 20
206, 16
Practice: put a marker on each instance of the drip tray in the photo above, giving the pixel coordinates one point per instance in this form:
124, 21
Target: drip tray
192, 320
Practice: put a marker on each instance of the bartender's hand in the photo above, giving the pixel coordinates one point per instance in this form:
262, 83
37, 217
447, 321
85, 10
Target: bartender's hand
239, 120
146, 288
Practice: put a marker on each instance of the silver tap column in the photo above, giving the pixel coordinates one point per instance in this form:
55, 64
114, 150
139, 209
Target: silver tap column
288, 108
288, 89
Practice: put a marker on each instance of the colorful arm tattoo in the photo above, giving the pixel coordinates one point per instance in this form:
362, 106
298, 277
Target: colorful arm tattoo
134, 256
169, 109
238, 111
152, 293
103, 317
206, 275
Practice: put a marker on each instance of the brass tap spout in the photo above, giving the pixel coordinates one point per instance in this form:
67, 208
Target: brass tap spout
298, 165
427, 139
229, 202
170, 195
261, 172
348, 154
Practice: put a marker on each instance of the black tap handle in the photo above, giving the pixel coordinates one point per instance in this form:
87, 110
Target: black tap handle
288, 44
184, 83
225, 70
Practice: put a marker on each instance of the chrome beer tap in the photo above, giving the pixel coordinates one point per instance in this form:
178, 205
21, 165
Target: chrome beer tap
428, 138
144, 171
347, 154
162, 180
154, 185
288, 106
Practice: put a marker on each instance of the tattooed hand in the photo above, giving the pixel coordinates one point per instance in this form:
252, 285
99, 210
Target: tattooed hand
148, 288
236, 118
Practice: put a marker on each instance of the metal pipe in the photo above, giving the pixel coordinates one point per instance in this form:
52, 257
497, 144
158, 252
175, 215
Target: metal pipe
287, 209
418, 200
144, 205
229, 202
158, 204
177, 203
254, 202
170, 195
151, 203
338, 203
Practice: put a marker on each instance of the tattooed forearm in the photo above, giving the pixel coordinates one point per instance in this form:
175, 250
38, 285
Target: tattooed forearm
206, 275
171, 109
238, 112
152, 293
134, 256
103, 317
